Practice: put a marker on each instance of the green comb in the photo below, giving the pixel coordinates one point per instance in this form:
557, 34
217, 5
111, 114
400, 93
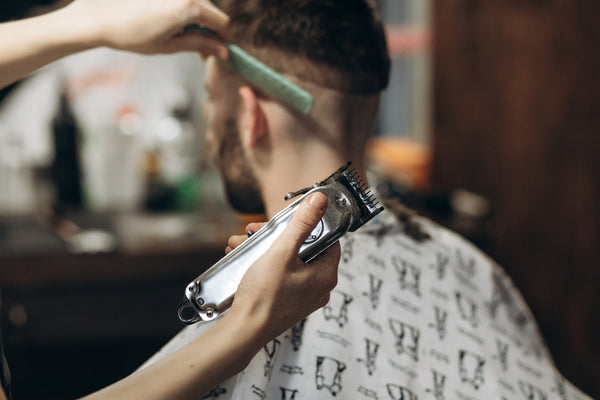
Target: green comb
261, 75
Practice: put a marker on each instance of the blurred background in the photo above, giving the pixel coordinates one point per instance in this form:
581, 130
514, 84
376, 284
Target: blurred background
490, 126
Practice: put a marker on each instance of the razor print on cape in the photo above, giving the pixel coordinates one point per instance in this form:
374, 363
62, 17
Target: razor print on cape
329, 374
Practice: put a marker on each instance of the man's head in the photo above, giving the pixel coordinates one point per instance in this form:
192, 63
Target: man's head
336, 50
339, 44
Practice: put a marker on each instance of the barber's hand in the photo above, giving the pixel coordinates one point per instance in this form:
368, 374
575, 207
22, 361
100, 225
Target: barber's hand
279, 289
152, 26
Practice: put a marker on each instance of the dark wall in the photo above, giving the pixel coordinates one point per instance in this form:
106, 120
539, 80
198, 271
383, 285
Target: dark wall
517, 119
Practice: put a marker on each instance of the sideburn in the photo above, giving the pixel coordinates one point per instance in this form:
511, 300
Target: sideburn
241, 186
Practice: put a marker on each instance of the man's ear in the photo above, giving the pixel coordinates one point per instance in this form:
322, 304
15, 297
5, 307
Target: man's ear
253, 121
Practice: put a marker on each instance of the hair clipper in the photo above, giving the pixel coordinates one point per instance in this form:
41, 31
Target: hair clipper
349, 206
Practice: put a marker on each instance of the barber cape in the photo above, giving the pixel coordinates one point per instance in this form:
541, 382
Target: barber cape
407, 320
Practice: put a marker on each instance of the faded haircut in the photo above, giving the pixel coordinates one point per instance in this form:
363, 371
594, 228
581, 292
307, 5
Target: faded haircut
339, 44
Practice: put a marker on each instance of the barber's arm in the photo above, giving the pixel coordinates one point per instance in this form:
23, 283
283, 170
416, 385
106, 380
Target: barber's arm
277, 291
143, 26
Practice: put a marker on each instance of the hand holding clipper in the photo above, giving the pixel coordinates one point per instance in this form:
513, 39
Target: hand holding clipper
349, 206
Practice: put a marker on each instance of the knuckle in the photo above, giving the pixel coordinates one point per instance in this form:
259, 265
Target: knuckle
227, 23
324, 300
336, 253
332, 281
200, 11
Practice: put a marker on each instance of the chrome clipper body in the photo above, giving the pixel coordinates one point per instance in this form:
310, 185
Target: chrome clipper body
349, 206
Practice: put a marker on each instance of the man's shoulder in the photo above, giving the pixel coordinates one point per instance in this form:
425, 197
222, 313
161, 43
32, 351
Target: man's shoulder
445, 264
388, 238
386, 227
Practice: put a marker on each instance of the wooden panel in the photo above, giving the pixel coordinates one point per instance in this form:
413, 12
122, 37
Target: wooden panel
75, 324
517, 119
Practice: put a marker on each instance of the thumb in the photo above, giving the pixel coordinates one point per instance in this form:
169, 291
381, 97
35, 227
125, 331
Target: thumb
304, 220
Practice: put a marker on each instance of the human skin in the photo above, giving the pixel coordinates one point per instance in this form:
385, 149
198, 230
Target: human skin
265, 305
142, 26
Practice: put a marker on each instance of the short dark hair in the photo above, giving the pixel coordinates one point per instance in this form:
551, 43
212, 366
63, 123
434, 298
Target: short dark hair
335, 43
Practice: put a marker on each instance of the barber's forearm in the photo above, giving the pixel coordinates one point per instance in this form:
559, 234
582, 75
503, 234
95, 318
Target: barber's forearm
28, 44
142, 26
194, 370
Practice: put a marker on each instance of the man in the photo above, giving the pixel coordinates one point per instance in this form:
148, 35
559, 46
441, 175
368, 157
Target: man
413, 316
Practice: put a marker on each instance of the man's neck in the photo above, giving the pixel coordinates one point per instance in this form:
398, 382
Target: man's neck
292, 175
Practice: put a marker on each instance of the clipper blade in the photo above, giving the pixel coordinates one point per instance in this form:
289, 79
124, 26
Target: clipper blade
367, 202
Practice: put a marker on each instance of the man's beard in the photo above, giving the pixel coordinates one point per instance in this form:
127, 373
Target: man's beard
241, 185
